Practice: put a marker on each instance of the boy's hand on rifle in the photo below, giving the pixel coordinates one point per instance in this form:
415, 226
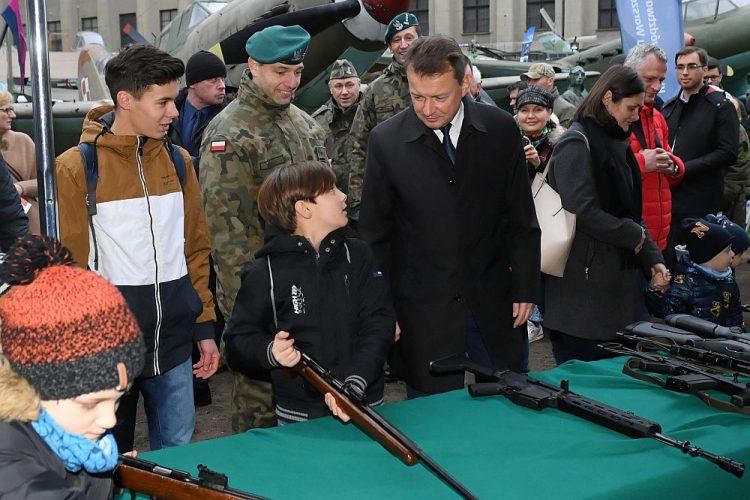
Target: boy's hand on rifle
283, 350
337, 412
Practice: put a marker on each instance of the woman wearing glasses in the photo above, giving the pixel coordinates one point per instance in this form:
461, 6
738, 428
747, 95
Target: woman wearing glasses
17, 149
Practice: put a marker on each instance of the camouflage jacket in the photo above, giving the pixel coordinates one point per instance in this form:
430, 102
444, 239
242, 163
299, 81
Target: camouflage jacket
337, 122
386, 96
242, 145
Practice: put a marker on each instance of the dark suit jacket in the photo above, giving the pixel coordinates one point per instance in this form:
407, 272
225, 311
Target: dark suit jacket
447, 237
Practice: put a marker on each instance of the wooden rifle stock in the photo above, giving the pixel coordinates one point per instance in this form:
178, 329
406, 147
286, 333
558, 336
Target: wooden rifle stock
358, 416
371, 422
141, 476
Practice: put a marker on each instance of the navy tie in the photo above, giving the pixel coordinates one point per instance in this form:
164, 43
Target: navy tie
450, 149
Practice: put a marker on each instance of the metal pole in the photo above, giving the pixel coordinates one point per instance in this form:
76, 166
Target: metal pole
43, 134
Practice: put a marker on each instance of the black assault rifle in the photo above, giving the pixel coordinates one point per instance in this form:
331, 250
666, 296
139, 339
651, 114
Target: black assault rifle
352, 400
737, 349
706, 329
707, 352
141, 476
685, 377
532, 393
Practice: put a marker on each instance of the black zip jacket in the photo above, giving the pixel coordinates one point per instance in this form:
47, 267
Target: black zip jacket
335, 304
13, 220
704, 134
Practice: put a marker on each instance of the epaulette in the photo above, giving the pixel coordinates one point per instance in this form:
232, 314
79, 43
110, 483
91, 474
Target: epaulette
718, 97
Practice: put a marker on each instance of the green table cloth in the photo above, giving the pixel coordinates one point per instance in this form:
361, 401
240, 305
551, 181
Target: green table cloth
495, 448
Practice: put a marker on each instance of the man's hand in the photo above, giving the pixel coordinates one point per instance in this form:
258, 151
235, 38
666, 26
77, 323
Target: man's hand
209, 361
658, 160
337, 412
397, 334
639, 247
522, 312
283, 350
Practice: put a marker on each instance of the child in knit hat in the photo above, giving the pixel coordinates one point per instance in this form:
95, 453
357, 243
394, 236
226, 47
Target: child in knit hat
703, 284
70, 349
740, 242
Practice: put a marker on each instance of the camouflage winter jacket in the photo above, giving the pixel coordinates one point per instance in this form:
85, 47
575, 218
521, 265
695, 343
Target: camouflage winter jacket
337, 123
386, 96
242, 145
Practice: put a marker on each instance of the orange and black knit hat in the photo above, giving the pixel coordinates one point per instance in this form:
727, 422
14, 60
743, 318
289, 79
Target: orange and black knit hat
66, 330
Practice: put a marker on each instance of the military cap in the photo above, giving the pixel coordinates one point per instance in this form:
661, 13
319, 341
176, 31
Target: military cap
343, 69
401, 22
537, 71
278, 44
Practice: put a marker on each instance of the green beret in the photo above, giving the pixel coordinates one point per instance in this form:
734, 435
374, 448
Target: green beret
343, 69
402, 21
284, 44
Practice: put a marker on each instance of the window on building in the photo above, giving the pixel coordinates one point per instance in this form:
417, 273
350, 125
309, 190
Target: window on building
166, 16
608, 15
534, 17
421, 9
54, 32
90, 24
476, 16
126, 19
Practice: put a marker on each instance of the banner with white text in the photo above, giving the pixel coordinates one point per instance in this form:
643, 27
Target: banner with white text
658, 22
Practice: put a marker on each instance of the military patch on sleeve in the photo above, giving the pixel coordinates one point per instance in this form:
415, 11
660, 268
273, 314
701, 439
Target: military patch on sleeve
320, 153
218, 146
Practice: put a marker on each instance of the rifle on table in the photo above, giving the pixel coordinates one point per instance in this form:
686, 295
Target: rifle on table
706, 329
351, 399
727, 354
141, 476
685, 377
532, 393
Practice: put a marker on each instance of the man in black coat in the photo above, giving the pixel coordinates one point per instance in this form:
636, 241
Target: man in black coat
13, 220
199, 102
448, 211
704, 133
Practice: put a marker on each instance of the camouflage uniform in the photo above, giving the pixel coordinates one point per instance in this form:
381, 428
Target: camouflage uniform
337, 123
386, 96
242, 145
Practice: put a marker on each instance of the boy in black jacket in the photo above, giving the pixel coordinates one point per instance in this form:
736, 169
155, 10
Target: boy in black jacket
310, 288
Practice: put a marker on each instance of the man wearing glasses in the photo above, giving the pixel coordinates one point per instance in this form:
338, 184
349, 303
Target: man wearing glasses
704, 133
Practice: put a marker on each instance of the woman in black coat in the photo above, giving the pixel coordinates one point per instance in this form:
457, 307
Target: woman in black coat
598, 179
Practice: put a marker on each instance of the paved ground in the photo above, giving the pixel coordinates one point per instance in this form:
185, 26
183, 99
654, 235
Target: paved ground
213, 421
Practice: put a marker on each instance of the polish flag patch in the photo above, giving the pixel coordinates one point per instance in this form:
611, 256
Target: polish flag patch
218, 146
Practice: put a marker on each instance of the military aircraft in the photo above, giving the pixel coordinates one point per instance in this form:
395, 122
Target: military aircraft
719, 26
343, 28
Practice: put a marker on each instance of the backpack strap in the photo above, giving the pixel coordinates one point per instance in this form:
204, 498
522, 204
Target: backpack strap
177, 160
91, 167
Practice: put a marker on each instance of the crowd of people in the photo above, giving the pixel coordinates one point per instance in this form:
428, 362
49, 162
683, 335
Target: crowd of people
393, 226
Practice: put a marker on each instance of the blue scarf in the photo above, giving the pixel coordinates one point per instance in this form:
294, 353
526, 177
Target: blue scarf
76, 451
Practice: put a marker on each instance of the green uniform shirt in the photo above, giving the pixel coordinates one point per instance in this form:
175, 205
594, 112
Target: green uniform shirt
386, 96
337, 123
242, 145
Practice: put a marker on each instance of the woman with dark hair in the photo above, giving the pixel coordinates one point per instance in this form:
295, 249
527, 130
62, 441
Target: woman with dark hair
540, 132
598, 179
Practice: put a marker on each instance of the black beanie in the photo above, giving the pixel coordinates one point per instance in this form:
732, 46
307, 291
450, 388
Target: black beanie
202, 66
704, 240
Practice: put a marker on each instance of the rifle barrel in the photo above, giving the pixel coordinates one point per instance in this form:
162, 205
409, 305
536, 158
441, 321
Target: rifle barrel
729, 465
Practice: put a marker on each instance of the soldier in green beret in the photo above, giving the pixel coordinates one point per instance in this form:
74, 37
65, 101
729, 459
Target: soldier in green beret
261, 130
336, 117
384, 97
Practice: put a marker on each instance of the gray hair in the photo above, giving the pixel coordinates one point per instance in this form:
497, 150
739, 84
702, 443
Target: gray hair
476, 74
638, 54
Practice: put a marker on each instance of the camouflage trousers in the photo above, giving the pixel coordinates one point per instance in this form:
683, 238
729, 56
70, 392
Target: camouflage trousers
252, 402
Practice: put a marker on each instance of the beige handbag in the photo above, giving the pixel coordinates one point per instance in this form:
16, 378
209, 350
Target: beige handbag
557, 224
